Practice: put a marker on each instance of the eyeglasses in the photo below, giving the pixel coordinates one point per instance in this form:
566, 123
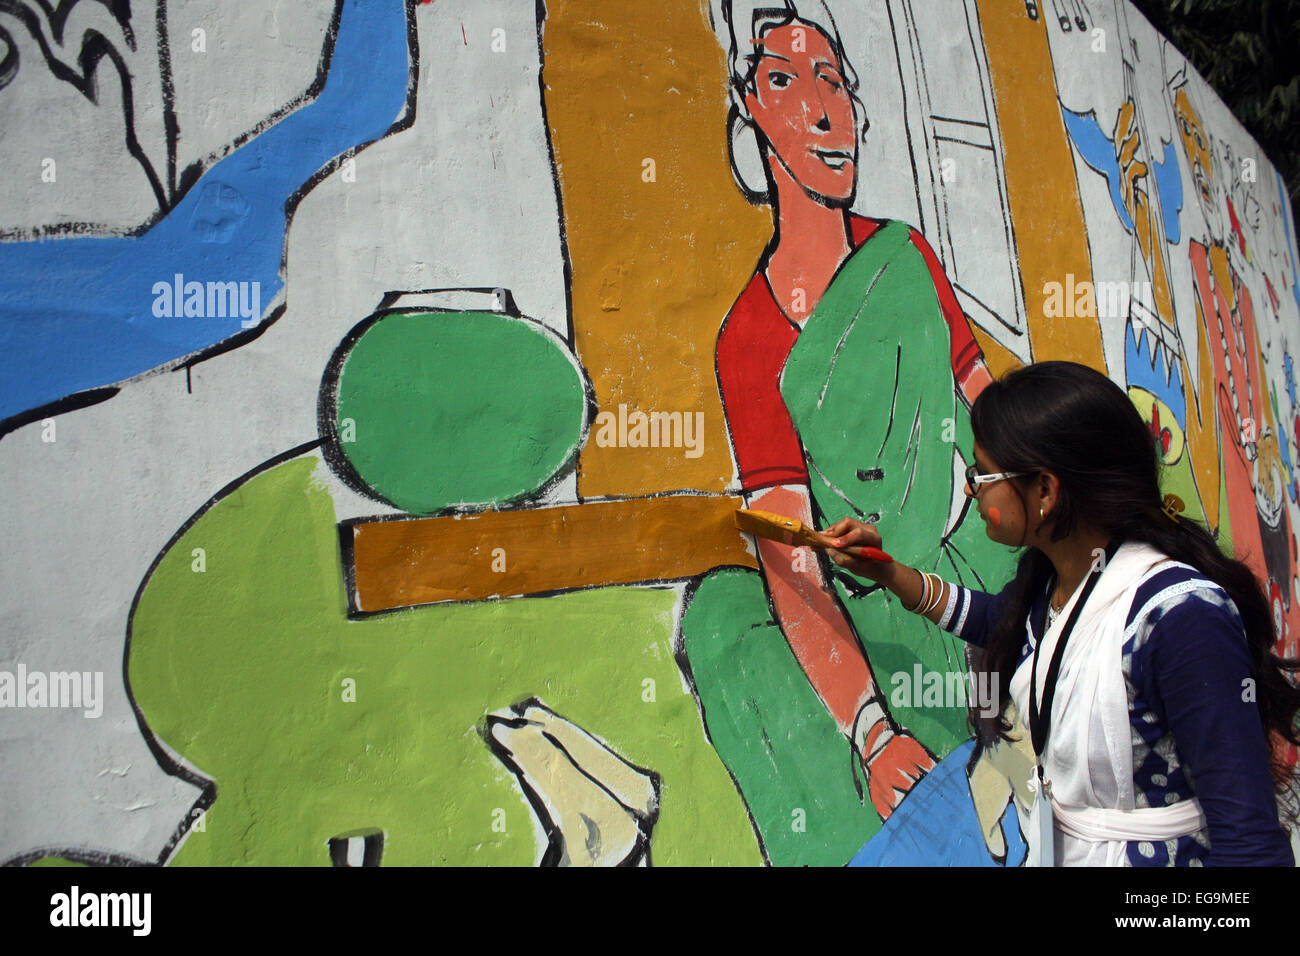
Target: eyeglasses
975, 479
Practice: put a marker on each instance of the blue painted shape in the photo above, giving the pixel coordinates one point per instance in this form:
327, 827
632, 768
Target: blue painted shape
1169, 183
219, 212
78, 313
1099, 153
1145, 371
935, 825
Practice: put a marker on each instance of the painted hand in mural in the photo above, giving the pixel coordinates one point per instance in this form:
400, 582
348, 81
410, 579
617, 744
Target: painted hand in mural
595, 808
1149, 224
1128, 141
893, 759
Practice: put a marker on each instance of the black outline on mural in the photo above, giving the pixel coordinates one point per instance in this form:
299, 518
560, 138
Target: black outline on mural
95, 47
327, 402
171, 127
170, 197
207, 787
555, 844
69, 403
566, 264
244, 336
10, 62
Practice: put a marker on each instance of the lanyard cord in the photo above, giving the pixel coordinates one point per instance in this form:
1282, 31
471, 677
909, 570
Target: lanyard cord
1040, 721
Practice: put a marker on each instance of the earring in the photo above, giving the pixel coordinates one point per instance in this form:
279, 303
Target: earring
1040, 514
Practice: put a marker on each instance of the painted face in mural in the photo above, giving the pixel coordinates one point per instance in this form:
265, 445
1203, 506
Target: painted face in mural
801, 105
1196, 144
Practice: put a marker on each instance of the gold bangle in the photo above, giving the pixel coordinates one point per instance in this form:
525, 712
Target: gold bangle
938, 594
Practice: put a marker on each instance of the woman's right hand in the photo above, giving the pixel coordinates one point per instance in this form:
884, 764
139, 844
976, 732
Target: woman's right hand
851, 533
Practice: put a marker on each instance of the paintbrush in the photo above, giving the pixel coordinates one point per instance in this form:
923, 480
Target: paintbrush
792, 531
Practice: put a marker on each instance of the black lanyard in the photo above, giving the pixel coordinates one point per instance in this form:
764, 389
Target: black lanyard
1040, 722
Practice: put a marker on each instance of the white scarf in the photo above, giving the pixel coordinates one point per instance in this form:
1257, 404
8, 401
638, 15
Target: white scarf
1089, 755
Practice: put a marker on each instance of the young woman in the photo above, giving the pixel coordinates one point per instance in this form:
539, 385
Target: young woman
1138, 658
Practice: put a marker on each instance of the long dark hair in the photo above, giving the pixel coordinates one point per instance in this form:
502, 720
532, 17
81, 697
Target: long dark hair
1075, 422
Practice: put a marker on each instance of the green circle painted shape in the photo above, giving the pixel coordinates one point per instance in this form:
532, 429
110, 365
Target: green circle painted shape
452, 408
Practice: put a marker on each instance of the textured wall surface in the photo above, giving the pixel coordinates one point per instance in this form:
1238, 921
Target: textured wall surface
378, 380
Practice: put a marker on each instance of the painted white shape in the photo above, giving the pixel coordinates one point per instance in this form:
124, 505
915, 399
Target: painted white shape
953, 131
356, 851
258, 58
41, 117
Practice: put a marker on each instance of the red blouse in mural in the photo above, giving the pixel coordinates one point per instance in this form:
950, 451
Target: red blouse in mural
755, 341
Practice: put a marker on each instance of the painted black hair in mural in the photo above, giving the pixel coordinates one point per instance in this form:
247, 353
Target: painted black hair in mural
75, 59
1072, 420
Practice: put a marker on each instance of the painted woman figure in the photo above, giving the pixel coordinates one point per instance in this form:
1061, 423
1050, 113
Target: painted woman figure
838, 367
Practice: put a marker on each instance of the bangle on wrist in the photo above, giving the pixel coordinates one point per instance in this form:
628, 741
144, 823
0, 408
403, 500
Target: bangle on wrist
929, 593
925, 593
937, 597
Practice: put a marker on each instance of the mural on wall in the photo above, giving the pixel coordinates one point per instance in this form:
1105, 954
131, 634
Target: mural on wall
381, 378
1195, 357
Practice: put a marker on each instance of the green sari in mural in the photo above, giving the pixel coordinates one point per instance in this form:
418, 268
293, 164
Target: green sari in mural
869, 386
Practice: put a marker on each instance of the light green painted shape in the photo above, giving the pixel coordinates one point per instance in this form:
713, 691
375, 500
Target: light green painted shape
1225, 518
458, 407
54, 861
240, 669
1180, 480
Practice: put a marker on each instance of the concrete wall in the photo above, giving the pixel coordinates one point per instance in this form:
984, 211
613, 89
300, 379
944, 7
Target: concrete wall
369, 447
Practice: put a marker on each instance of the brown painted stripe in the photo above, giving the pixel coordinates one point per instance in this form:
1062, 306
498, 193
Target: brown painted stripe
413, 561
1043, 194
